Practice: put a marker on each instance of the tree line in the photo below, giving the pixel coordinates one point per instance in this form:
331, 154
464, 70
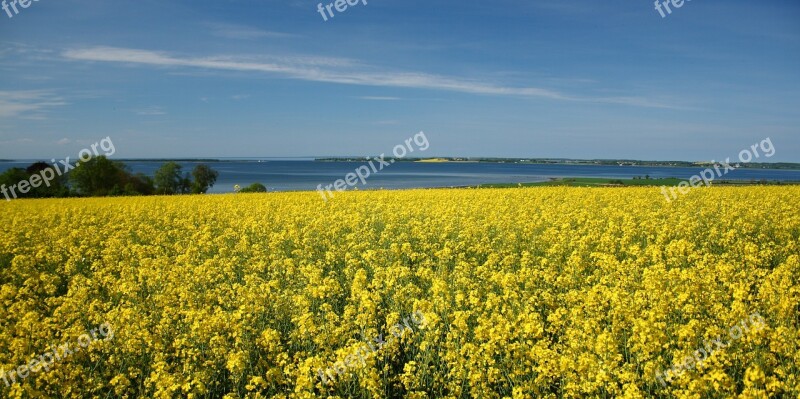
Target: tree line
101, 177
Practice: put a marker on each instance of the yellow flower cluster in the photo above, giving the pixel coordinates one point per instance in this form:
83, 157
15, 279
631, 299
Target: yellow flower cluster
526, 293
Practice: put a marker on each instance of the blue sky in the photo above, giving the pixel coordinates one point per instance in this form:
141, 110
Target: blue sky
508, 78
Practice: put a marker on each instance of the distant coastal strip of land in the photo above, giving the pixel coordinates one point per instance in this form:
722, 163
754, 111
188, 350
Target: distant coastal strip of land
560, 161
635, 182
521, 161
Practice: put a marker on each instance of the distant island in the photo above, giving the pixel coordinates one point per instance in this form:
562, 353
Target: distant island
565, 161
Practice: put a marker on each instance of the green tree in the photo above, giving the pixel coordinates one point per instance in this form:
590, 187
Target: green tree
11, 178
185, 184
254, 188
52, 185
99, 177
140, 184
168, 179
204, 178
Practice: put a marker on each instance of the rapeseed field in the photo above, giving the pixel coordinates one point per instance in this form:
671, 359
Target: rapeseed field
514, 293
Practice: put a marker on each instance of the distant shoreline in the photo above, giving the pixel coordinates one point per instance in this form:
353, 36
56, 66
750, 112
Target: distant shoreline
443, 160
586, 162
639, 182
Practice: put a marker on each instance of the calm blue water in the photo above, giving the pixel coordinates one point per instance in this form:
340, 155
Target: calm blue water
306, 175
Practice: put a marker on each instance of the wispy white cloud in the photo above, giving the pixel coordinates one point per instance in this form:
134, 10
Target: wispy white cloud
151, 111
336, 71
30, 52
63, 141
379, 98
28, 103
243, 32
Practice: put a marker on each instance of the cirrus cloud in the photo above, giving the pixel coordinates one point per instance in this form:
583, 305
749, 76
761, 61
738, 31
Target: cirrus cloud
28, 103
336, 71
